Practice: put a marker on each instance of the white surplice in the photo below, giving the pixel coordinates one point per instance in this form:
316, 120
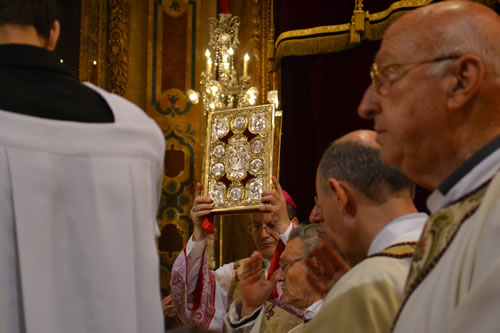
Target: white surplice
459, 289
78, 206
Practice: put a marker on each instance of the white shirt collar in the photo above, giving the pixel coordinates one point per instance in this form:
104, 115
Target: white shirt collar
405, 228
313, 310
284, 236
483, 171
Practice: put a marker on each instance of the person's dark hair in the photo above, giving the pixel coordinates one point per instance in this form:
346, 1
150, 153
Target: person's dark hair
292, 211
39, 13
362, 167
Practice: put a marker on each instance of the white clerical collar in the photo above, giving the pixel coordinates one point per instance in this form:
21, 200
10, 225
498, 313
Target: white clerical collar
284, 236
266, 263
313, 310
469, 182
405, 228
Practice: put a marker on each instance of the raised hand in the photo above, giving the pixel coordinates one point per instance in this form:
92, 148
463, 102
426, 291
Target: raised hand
166, 304
201, 208
275, 203
325, 267
255, 289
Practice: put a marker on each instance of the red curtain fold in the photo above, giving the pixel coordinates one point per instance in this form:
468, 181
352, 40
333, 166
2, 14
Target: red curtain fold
224, 6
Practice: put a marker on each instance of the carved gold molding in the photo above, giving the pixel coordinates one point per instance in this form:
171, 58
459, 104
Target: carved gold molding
92, 41
263, 44
118, 46
104, 31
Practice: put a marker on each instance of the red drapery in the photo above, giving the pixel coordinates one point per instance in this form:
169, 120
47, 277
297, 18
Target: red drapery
320, 95
224, 6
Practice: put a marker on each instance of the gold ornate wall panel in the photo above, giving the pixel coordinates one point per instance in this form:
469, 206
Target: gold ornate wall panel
104, 32
118, 46
137, 52
172, 57
93, 41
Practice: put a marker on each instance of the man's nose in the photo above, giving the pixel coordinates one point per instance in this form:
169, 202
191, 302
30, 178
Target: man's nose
369, 105
264, 231
280, 276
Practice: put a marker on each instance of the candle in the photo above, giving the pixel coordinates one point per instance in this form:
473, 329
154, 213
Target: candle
209, 66
94, 79
245, 64
209, 61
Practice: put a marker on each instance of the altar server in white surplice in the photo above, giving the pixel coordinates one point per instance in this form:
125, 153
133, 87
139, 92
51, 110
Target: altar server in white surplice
80, 173
436, 105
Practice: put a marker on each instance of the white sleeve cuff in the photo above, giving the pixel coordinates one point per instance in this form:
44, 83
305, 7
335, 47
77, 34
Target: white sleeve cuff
234, 315
195, 248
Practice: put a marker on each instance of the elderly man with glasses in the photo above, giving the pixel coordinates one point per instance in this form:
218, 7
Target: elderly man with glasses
253, 313
202, 297
437, 117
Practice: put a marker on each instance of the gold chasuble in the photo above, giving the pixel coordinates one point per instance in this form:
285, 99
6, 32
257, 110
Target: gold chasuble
367, 298
273, 318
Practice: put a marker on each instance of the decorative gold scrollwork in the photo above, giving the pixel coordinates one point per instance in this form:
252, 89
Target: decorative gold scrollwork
118, 46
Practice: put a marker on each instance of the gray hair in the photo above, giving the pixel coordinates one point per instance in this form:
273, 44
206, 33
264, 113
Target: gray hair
362, 167
307, 233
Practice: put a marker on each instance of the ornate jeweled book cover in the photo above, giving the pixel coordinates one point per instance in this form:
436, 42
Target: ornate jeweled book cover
238, 162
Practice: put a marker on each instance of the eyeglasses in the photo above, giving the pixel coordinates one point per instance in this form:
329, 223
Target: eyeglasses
382, 77
286, 264
255, 227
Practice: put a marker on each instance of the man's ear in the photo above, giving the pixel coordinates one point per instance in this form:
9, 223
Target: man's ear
55, 30
346, 200
468, 73
295, 221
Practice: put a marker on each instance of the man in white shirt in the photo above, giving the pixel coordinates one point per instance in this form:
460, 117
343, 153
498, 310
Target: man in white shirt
203, 297
78, 200
370, 217
435, 104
